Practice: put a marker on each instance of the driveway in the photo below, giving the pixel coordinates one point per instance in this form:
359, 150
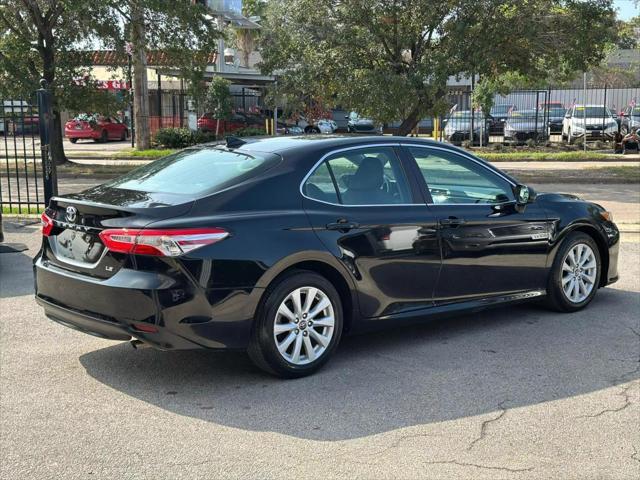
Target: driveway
512, 393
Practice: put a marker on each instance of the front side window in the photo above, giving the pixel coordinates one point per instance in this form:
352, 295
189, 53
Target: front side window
366, 176
452, 179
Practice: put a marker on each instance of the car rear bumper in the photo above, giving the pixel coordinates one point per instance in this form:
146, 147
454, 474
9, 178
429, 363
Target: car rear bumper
147, 307
593, 135
81, 134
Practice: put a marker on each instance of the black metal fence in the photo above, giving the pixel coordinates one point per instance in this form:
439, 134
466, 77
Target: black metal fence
555, 115
27, 175
21, 175
170, 108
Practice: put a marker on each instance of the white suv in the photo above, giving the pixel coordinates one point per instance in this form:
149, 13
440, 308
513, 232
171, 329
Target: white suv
593, 121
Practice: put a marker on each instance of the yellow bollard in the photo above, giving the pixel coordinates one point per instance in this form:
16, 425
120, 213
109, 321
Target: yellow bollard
436, 128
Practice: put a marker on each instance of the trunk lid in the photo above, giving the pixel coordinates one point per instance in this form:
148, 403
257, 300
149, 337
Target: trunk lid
75, 244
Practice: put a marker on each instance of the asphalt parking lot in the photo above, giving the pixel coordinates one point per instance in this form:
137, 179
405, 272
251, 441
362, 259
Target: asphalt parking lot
512, 393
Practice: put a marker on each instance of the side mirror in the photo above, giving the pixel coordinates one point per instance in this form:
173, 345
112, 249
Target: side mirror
524, 194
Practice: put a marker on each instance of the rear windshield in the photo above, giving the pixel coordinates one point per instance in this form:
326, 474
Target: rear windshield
193, 172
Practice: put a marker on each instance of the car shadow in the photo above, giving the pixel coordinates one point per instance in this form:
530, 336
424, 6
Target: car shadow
16, 262
433, 372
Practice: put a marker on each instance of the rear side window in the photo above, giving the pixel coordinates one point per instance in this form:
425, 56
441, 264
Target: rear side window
193, 172
363, 176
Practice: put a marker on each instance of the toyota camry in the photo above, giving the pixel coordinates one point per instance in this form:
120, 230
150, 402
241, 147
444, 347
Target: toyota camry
280, 246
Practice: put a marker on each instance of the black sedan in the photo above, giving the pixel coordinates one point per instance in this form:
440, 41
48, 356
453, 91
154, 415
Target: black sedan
280, 245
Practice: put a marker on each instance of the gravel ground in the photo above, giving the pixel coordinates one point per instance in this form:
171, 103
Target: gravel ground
511, 393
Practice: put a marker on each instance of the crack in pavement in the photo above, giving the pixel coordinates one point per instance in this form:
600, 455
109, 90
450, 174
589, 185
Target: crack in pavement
476, 465
485, 424
634, 455
624, 392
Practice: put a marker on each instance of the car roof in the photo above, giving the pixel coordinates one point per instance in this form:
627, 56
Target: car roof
293, 144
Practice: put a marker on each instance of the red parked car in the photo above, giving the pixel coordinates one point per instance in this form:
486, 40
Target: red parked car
206, 123
100, 129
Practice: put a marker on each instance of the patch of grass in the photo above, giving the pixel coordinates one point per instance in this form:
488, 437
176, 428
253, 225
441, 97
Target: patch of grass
546, 156
150, 153
24, 210
630, 174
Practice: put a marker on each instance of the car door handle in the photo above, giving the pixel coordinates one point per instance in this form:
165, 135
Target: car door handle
452, 222
342, 225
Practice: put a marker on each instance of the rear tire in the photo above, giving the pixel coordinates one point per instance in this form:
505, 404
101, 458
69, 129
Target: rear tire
577, 263
73, 140
104, 137
293, 335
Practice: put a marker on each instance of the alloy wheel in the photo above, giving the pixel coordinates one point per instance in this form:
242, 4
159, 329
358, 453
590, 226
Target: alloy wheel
304, 325
579, 272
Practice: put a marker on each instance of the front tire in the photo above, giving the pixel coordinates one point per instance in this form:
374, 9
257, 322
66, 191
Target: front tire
73, 140
298, 326
575, 274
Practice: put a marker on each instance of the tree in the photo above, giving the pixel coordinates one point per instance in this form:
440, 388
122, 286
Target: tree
628, 33
37, 40
218, 100
245, 39
391, 59
182, 30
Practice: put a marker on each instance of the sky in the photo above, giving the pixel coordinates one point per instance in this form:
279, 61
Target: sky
626, 9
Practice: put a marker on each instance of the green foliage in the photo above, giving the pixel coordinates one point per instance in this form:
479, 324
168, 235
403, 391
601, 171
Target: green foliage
249, 132
627, 33
218, 100
173, 137
39, 43
391, 60
181, 137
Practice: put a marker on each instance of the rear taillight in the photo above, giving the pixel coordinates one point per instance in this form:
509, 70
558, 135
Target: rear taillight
47, 224
164, 243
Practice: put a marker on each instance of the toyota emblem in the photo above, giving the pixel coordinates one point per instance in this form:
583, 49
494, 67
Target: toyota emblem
72, 213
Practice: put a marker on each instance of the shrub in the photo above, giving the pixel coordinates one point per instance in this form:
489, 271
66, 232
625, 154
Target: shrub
174, 137
202, 137
466, 144
497, 146
531, 142
248, 132
182, 137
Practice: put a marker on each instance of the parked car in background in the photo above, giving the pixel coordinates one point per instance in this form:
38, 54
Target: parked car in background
424, 127
591, 122
498, 117
458, 127
629, 119
207, 123
326, 126
280, 246
95, 127
554, 115
523, 125
358, 124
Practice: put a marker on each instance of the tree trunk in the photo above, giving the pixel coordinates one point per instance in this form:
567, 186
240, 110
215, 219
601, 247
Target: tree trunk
140, 86
409, 123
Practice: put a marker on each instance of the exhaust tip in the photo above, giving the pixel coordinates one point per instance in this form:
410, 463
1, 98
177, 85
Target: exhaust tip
138, 344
